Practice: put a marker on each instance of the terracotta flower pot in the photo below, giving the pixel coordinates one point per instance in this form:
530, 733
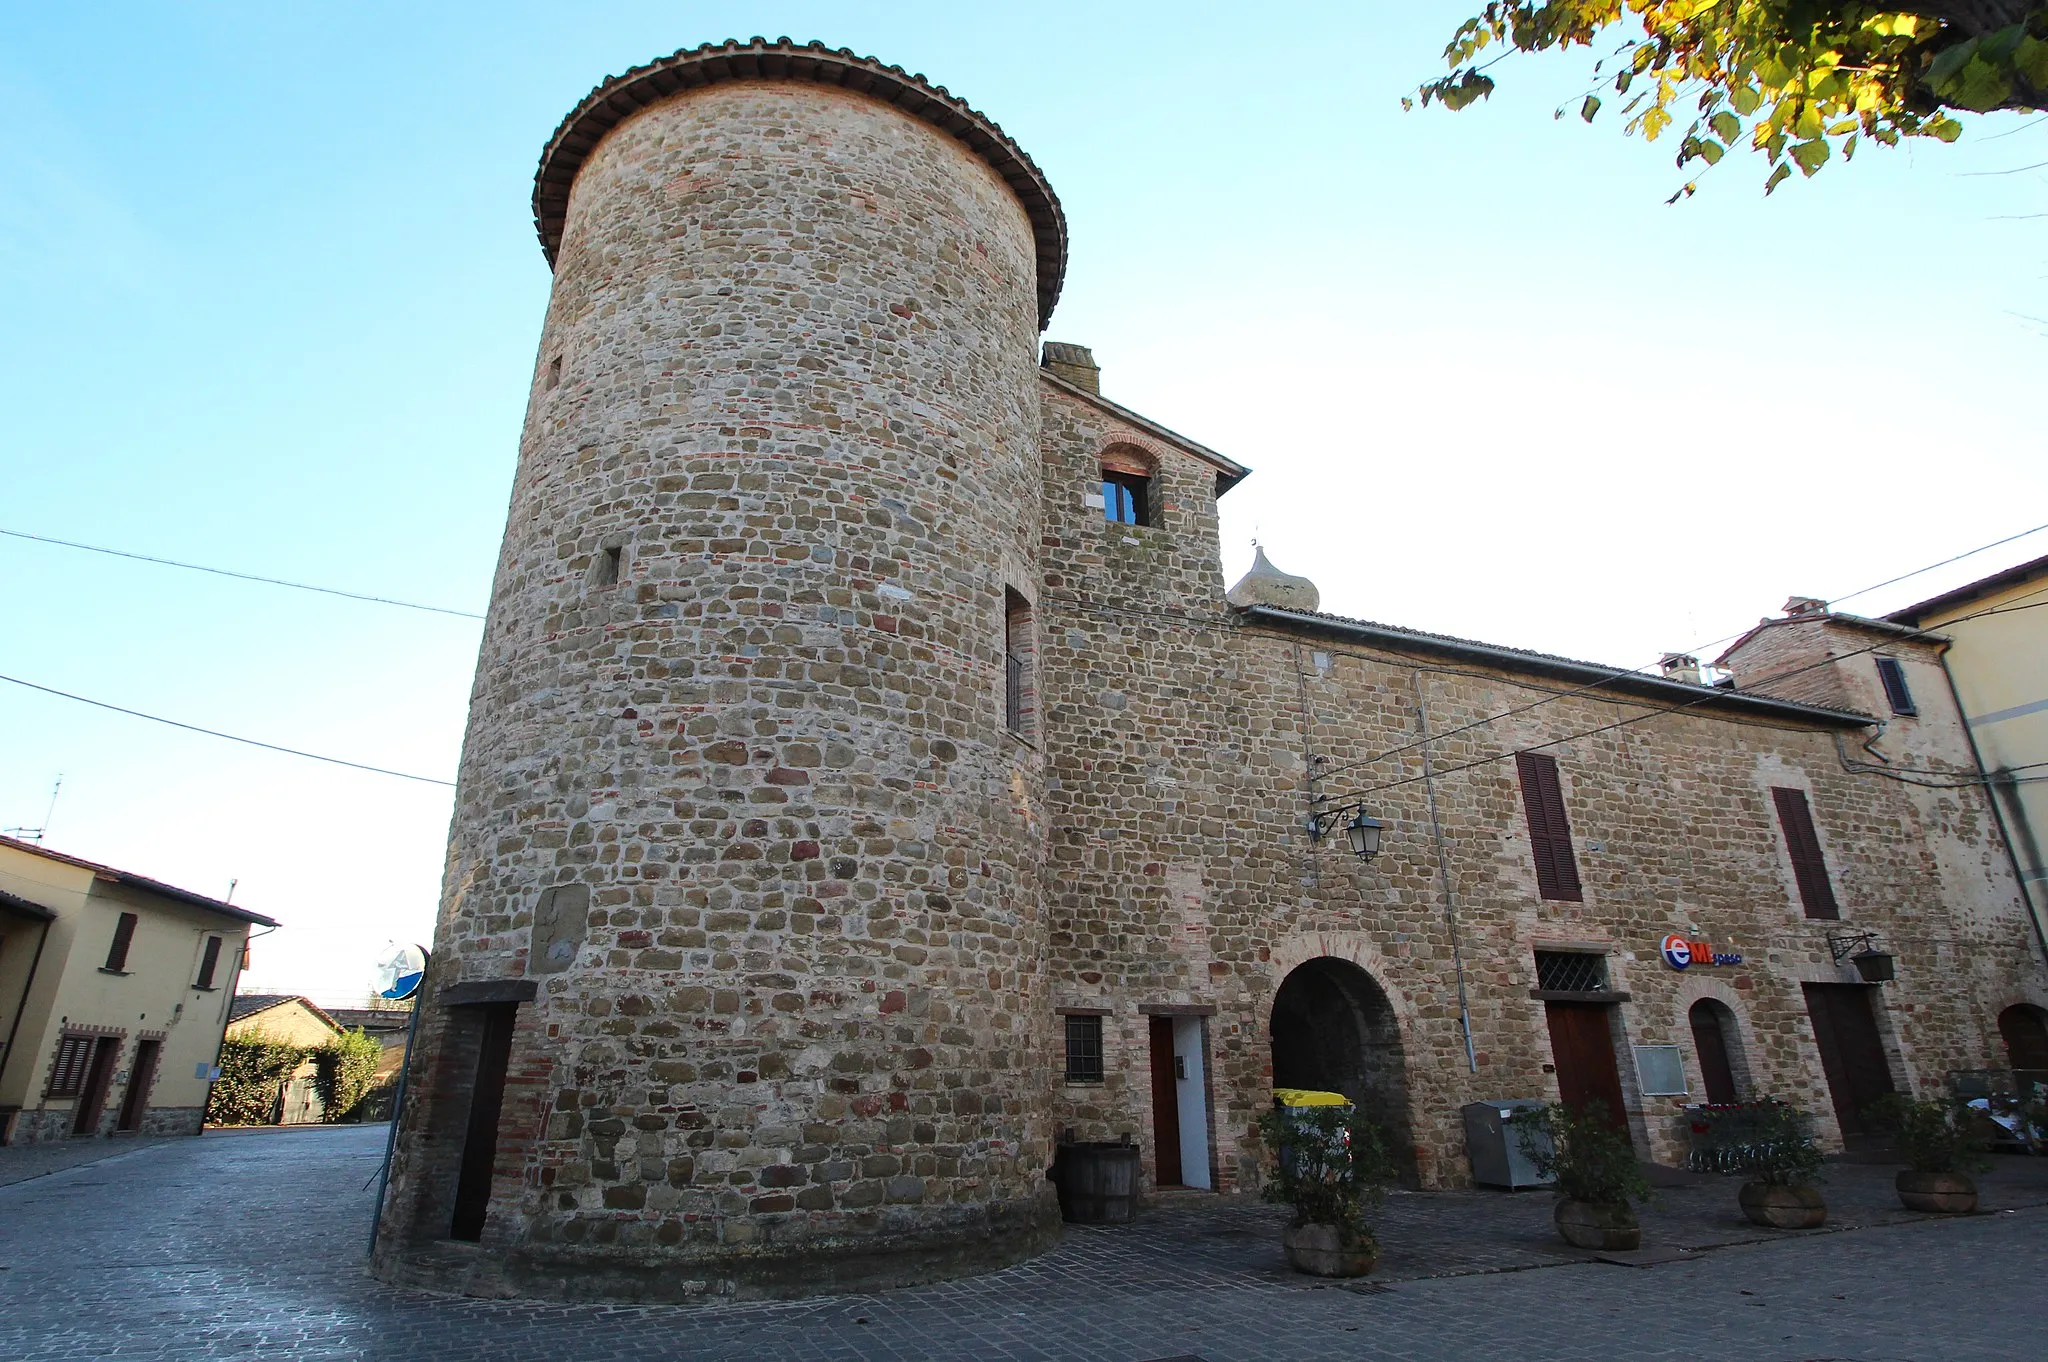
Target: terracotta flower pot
1320, 1251
1783, 1208
1939, 1193
1593, 1225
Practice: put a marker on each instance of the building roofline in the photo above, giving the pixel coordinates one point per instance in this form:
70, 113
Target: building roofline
131, 880
622, 96
1233, 472
1560, 668
21, 907
278, 1000
1886, 627
1983, 586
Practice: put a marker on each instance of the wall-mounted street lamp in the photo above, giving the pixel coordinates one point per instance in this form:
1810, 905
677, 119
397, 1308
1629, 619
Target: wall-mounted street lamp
1361, 829
1860, 949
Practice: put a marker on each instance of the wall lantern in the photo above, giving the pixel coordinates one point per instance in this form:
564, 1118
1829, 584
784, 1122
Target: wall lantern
1860, 949
1361, 829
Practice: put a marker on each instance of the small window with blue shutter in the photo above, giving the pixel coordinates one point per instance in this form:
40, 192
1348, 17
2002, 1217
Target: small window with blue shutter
1893, 674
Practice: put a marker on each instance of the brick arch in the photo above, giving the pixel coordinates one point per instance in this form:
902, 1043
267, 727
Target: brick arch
1354, 947
1155, 453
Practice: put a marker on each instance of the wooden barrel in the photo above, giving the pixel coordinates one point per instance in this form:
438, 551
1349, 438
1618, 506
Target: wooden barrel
1097, 1182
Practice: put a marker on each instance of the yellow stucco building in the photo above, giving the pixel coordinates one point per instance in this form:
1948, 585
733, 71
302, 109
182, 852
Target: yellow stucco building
114, 994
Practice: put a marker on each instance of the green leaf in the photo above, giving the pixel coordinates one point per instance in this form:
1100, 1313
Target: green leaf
1948, 62
1712, 152
1745, 99
1980, 85
1590, 107
1727, 125
1778, 177
1944, 129
1849, 148
1810, 156
2030, 59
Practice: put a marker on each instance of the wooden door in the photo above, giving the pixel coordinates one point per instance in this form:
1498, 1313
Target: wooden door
1166, 1169
1710, 1043
480, 1140
92, 1098
1851, 1053
1582, 1046
141, 1074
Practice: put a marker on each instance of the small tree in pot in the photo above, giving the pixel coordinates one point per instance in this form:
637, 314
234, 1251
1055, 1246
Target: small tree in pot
1329, 1163
1942, 1148
1778, 1152
1595, 1170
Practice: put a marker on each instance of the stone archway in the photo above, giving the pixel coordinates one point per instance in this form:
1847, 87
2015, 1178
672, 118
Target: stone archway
1333, 1028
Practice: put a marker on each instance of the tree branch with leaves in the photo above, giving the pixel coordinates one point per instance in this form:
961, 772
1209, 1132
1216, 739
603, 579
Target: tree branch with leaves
1800, 81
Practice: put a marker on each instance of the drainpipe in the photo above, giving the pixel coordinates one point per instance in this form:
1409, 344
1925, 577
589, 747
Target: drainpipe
2012, 858
1443, 870
7, 1055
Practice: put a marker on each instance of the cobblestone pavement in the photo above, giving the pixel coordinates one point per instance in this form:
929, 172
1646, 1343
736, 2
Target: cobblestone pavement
251, 1246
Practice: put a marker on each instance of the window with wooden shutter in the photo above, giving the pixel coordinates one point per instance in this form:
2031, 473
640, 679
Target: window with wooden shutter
1896, 692
209, 962
67, 1075
117, 953
1550, 834
1809, 867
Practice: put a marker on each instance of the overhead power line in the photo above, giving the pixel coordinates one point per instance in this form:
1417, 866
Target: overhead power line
1622, 673
243, 576
231, 737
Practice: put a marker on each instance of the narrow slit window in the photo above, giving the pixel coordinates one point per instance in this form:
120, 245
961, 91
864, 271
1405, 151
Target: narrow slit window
1550, 832
554, 373
117, 950
1019, 648
1084, 1049
608, 565
209, 961
1893, 674
1809, 865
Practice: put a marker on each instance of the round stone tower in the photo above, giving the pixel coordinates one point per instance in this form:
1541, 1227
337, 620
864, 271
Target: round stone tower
738, 975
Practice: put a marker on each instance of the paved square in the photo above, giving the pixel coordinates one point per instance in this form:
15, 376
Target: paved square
251, 1245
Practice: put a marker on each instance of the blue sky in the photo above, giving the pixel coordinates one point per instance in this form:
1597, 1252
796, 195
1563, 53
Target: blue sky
269, 297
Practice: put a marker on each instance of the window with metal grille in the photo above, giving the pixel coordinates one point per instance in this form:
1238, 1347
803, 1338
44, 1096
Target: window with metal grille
1019, 647
1084, 1049
117, 952
67, 1075
1893, 674
209, 962
1550, 833
1809, 867
1571, 972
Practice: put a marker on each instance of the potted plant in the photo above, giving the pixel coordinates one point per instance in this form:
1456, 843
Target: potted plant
1595, 1170
1777, 1150
1328, 1163
1941, 1149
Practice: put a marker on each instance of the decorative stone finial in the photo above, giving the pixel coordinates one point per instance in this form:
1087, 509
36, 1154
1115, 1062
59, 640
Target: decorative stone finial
1268, 585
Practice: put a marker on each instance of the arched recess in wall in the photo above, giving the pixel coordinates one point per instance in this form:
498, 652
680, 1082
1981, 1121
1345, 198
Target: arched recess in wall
1714, 1027
1334, 1026
2024, 1028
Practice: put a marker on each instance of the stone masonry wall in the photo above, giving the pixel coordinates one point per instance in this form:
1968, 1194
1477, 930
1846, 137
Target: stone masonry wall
1179, 735
799, 1039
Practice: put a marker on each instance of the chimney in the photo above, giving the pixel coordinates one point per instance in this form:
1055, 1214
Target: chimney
1796, 606
1680, 667
1074, 364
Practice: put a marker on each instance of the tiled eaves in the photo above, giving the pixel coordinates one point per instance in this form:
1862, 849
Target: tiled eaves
131, 880
1232, 471
622, 96
1553, 667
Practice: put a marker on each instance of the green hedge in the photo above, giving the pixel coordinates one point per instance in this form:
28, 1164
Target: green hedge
253, 1068
346, 1070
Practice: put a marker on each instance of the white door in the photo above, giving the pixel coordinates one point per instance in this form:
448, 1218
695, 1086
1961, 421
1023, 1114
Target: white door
1191, 1089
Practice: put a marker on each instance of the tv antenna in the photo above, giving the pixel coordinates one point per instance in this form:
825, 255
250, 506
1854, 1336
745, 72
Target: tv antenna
36, 835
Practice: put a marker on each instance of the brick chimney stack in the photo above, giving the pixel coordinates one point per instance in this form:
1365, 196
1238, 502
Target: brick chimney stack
1073, 363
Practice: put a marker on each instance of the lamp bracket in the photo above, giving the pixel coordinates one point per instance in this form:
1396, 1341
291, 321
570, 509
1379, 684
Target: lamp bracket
1843, 945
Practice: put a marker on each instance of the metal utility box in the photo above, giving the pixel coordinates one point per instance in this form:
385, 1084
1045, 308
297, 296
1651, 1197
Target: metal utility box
1495, 1148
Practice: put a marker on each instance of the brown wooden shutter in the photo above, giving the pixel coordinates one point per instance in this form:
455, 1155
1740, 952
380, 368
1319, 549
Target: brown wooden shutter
1809, 867
209, 962
124, 932
67, 1075
1550, 833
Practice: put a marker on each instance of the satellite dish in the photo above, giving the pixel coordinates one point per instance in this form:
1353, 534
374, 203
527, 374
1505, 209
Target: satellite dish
400, 971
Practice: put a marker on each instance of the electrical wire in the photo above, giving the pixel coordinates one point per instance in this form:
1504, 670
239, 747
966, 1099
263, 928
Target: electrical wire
242, 576
1620, 673
231, 737
1662, 710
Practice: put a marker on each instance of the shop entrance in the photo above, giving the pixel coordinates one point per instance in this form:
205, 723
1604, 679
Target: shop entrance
1851, 1055
1712, 1025
1334, 1030
1180, 1103
1582, 1047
